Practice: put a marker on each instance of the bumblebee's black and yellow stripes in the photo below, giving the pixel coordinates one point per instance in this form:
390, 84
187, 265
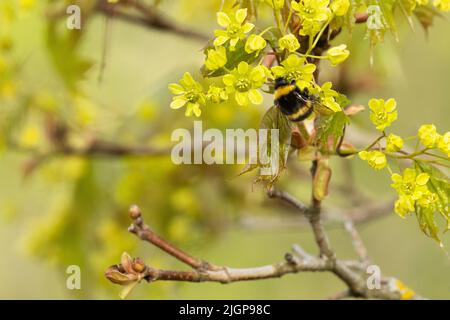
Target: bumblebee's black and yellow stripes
293, 102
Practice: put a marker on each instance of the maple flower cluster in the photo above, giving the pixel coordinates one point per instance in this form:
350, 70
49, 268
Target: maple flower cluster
243, 81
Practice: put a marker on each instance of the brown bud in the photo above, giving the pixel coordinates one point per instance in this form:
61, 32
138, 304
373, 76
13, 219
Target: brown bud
134, 212
139, 265
114, 275
353, 110
127, 263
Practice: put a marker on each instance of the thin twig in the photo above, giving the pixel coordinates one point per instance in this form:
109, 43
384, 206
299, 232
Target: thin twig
286, 197
144, 233
358, 243
135, 270
148, 17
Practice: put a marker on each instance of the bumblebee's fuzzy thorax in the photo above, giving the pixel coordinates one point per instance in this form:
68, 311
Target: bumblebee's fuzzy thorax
293, 102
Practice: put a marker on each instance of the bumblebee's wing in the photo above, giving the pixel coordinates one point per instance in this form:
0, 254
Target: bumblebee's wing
322, 109
300, 96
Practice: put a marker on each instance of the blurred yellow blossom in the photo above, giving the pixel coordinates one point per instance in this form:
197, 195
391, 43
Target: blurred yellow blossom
444, 143
394, 143
30, 136
340, 7
289, 42
235, 28
383, 113
375, 159
216, 58
428, 135
338, 54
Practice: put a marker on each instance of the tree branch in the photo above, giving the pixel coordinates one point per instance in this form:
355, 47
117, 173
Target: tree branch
358, 243
131, 271
147, 17
144, 233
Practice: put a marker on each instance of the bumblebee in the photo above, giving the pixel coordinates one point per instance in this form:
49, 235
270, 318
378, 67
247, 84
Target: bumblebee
293, 102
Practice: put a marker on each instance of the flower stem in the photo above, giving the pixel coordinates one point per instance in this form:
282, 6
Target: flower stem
266, 30
311, 47
376, 141
436, 156
288, 21
277, 17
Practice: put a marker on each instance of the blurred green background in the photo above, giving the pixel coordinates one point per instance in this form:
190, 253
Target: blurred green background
74, 211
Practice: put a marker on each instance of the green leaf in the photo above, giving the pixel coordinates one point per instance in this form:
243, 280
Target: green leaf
233, 59
426, 16
427, 223
64, 47
274, 119
438, 183
331, 126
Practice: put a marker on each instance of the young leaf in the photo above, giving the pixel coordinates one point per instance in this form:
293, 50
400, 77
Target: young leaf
331, 127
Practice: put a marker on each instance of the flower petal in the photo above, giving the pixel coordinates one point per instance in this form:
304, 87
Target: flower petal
240, 15
220, 40
255, 96
177, 103
241, 98
309, 68
229, 80
175, 88
242, 68
390, 105
223, 19
246, 28
233, 42
278, 71
422, 179
188, 112
375, 105
396, 178
187, 80
196, 109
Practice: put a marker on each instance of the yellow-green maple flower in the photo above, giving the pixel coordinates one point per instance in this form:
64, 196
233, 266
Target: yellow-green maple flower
444, 143
296, 68
244, 81
216, 58
405, 292
328, 97
312, 13
338, 54
375, 159
411, 184
428, 135
394, 143
382, 113
289, 42
189, 94
422, 2
427, 200
216, 94
235, 28
403, 206
255, 43
443, 5
340, 7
